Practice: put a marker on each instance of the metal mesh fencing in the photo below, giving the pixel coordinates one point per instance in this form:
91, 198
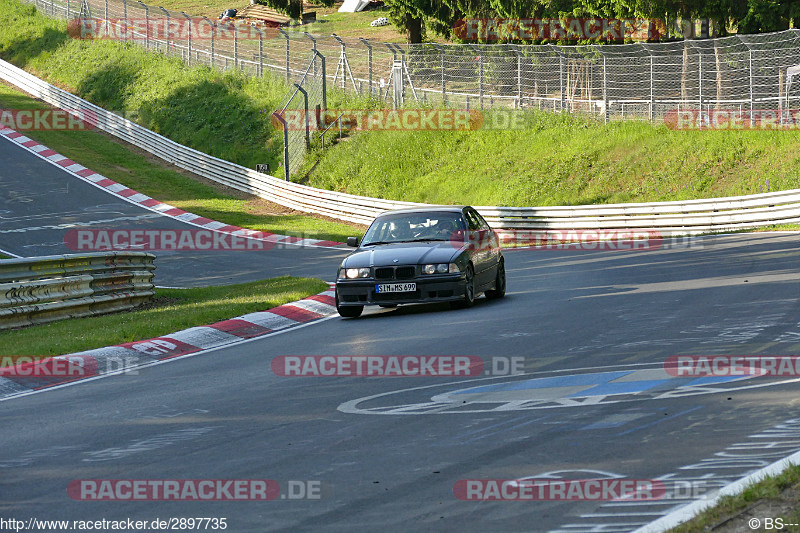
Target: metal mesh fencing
301, 113
644, 81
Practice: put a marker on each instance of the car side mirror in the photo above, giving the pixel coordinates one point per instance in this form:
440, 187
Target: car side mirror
352, 241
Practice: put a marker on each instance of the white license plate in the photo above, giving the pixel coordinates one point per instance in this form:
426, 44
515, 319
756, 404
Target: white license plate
395, 287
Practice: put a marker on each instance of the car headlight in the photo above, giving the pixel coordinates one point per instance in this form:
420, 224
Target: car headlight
352, 273
440, 268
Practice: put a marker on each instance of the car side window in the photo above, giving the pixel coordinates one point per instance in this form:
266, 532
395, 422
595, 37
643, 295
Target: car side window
484, 224
472, 220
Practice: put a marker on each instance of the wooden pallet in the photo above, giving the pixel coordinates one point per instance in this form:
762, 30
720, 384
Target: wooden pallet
267, 14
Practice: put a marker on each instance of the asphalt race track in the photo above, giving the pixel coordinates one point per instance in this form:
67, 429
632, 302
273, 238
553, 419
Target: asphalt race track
591, 331
40, 202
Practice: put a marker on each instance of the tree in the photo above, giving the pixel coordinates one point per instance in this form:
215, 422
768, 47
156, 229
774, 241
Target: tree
412, 16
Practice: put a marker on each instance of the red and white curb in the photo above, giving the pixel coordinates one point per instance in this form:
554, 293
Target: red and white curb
27, 378
142, 200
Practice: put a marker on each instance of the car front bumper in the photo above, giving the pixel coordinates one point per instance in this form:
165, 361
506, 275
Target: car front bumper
434, 288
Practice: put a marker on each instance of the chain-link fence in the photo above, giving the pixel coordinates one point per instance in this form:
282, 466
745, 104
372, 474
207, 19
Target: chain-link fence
302, 113
642, 80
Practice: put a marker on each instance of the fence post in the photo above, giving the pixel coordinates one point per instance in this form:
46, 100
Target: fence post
189, 39
235, 46
105, 13
305, 107
700, 82
480, 73
53, 11
147, 22
167, 31
752, 118
260, 53
286, 36
561, 78
518, 54
369, 61
313, 51
286, 150
652, 93
213, 35
444, 79
324, 80
605, 91
124, 13
69, 15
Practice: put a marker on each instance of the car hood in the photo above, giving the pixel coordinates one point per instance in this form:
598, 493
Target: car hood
406, 253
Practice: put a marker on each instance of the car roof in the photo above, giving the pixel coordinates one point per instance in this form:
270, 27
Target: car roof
426, 209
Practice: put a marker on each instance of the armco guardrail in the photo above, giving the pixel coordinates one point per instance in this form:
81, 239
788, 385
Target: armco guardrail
45, 289
669, 218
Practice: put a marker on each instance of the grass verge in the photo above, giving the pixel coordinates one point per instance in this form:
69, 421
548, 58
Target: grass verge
544, 159
773, 497
173, 310
147, 174
550, 159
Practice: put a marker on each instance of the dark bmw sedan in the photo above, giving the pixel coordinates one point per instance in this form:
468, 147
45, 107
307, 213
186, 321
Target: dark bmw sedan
421, 255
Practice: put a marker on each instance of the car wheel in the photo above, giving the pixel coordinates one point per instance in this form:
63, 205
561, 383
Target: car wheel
348, 311
499, 283
469, 290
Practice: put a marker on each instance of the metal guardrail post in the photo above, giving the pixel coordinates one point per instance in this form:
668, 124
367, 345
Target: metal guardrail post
286, 36
369, 61
147, 24
189, 39
69, 14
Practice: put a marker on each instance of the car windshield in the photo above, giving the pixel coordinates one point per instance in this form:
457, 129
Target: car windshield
413, 227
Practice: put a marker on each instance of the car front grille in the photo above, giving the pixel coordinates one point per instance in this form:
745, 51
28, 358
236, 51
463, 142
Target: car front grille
401, 272
384, 273
405, 272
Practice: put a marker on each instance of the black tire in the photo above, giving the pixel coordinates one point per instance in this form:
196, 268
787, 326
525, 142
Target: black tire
469, 290
348, 311
499, 283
